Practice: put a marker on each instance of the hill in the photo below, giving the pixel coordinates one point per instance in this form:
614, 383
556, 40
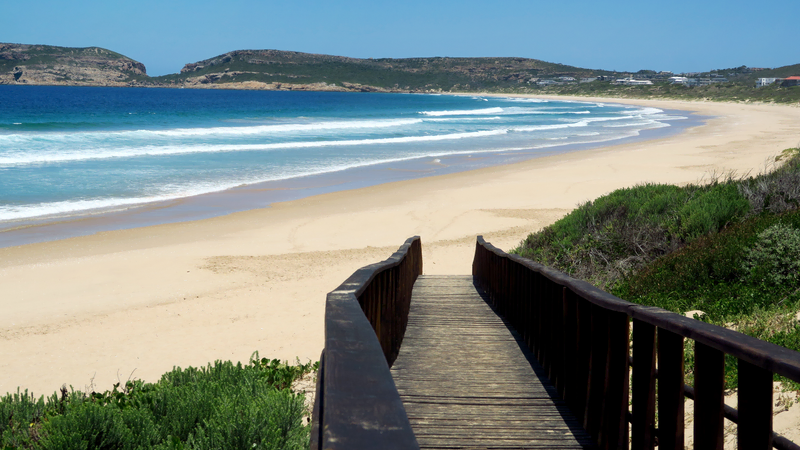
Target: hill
274, 69
50, 65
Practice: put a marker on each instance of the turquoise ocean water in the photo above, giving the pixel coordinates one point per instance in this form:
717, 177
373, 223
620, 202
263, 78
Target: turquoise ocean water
66, 152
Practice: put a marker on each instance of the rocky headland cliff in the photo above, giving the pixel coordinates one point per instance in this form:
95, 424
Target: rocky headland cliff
50, 65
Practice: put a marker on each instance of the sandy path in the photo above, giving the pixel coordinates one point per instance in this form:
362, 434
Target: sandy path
99, 307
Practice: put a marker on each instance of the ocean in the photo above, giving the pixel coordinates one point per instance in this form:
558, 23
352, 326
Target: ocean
76, 152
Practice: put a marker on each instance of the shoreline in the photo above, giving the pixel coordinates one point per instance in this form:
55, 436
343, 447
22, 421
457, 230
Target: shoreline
93, 309
263, 194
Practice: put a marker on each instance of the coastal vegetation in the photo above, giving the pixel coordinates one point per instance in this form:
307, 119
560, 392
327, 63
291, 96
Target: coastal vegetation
742, 90
727, 250
220, 406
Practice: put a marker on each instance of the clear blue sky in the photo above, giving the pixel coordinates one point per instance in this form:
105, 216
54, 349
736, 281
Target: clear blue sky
676, 35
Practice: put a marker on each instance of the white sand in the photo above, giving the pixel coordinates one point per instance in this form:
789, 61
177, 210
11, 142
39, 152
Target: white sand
103, 306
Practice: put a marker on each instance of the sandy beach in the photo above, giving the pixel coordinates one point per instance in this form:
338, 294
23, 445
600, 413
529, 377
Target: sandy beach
105, 307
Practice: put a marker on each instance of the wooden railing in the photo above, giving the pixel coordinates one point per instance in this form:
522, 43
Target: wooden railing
581, 336
357, 405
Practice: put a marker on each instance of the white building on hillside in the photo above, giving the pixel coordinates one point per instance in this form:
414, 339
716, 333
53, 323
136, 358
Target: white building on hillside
766, 81
631, 82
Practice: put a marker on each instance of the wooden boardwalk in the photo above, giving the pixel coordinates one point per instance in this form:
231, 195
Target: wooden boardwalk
467, 381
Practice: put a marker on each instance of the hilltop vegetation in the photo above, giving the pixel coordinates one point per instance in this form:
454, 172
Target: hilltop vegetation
325, 72
729, 248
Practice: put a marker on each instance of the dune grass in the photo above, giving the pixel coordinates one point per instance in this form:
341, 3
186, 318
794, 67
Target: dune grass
220, 406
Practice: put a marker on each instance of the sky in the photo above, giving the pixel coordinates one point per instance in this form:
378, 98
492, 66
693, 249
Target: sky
676, 35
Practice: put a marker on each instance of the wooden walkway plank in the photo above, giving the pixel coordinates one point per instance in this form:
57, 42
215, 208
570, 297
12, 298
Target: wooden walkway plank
467, 381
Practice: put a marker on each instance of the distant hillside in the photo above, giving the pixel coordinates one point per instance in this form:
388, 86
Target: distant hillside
284, 70
780, 72
45, 64
273, 69
736, 85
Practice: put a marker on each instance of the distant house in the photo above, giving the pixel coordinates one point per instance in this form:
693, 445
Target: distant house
631, 82
791, 81
546, 82
566, 78
588, 79
678, 80
766, 81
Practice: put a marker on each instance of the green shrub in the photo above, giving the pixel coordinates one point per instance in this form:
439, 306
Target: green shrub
709, 210
222, 405
617, 234
775, 258
89, 426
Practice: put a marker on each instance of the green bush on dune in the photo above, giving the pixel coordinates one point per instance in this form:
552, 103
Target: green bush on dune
730, 248
220, 406
604, 239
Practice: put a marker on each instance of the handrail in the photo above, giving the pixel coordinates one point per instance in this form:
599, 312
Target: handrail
581, 336
357, 405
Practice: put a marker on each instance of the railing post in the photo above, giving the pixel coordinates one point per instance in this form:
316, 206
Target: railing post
570, 332
643, 385
584, 355
670, 391
709, 383
615, 409
597, 373
556, 338
755, 407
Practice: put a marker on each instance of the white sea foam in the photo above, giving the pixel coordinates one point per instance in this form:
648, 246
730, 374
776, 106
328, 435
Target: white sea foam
632, 124
461, 119
465, 112
548, 112
65, 207
646, 111
525, 100
607, 119
215, 131
105, 153
559, 126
